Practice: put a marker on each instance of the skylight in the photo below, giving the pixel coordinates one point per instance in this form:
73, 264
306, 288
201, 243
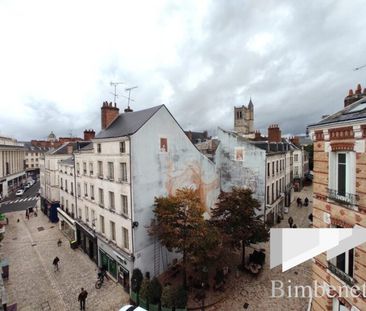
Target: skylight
359, 107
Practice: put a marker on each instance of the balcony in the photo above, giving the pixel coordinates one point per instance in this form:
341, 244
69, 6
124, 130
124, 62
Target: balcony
348, 199
342, 275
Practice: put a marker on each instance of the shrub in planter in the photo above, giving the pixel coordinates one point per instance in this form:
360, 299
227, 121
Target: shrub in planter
155, 291
167, 298
136, 280
181, 297
145, 293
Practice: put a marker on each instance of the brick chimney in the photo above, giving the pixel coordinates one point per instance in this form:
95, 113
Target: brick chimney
257, 135
295, 140
274, 134
70, 148
354, 96
89, 135
109, 114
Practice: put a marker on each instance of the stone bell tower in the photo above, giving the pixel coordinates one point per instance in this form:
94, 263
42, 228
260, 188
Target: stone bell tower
244, 119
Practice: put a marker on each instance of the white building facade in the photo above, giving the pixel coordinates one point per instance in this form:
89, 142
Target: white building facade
137, 156
12, 174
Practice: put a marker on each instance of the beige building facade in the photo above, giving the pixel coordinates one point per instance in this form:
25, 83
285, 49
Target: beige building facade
340, 201
12, 155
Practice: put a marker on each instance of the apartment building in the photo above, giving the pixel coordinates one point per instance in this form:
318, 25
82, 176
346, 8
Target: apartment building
340, 200
66, 212
12, 174
136, 157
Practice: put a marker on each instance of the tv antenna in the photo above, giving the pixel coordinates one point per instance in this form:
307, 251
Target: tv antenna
115, 84
358, 68
129, 89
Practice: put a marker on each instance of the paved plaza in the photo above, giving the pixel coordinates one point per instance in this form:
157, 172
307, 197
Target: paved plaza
256, 290
30, 246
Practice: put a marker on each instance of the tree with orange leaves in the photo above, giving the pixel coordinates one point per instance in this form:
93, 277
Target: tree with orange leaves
180, 226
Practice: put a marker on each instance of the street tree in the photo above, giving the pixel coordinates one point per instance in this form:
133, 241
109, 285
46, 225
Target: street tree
236, 218
179, 224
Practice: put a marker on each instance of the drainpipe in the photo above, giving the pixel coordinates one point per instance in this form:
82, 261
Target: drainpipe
75, 193
131, 202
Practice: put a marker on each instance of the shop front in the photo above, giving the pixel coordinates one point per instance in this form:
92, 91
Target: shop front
50, 209
87, 240
116, 262
66, 225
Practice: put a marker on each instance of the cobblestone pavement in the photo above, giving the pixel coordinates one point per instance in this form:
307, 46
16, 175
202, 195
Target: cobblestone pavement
256, 291
34, 285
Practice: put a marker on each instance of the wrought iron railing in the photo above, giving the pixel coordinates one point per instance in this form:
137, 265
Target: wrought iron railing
341, 274
347, 199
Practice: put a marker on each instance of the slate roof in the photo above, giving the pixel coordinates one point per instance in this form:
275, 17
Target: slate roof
68, 161
128, 123
272, 147
32, 148
75, 146
346, 114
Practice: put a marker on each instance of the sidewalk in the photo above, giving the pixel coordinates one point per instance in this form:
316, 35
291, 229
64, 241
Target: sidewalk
30, 246
256, 290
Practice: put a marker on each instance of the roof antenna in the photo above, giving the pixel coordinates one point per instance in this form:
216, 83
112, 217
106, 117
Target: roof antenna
129, 89
115, 90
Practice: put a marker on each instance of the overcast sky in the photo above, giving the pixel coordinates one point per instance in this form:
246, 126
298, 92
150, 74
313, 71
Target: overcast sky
295, 59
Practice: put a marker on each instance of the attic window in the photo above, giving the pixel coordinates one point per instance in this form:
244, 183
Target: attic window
163, 145
359, 107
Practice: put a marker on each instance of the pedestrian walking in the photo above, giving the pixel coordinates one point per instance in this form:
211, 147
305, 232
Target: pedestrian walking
55, 263
290, 221
82, 298
59, 242
298, 202
27, 214
306, 201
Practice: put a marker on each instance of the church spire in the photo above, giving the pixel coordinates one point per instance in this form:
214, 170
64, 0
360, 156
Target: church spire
250, 105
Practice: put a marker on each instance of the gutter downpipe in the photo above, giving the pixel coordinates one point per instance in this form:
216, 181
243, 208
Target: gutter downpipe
131, 202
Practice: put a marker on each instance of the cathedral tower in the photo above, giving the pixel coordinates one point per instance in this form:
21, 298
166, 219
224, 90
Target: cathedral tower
244, 119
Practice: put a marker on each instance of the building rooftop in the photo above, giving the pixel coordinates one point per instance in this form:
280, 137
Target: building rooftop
354, 111
68, 161
128, 123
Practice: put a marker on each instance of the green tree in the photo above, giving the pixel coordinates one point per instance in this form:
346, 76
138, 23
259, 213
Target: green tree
179, 224
235, 217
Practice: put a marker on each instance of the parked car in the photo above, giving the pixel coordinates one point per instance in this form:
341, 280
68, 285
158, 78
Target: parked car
26, 186
19, 193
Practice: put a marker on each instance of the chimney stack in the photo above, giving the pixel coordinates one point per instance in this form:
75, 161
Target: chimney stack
295, 140
89, 135
354, 96
274, 134
70, 148
109, 114
257, 135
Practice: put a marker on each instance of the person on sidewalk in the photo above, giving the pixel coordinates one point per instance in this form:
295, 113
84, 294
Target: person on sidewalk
55, 263
290, 221
82, 298
59, 242
306, 201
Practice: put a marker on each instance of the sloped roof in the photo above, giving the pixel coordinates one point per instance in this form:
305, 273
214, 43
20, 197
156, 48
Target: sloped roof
128, 123
354, 111
75, 146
